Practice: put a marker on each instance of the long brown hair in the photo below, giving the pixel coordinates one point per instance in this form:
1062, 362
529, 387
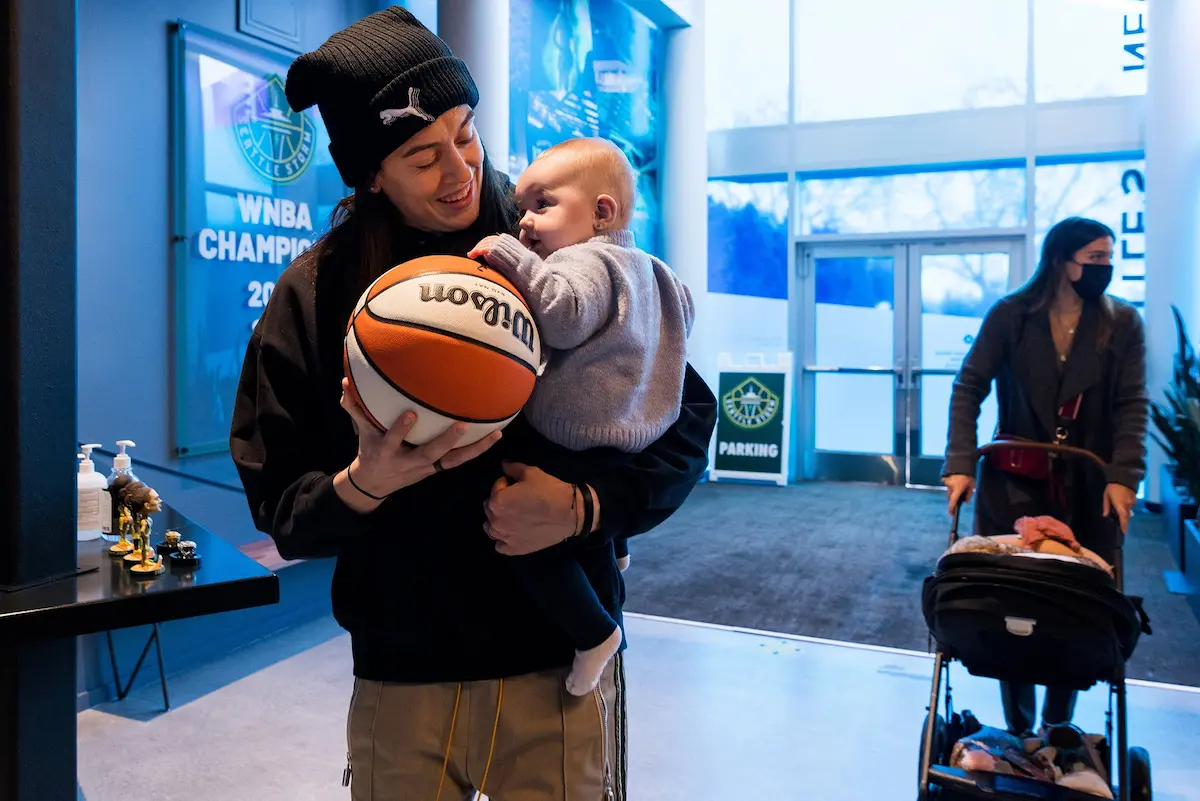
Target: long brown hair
1061, 244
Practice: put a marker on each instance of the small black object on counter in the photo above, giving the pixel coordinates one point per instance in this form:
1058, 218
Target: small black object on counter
169, 543
186, 556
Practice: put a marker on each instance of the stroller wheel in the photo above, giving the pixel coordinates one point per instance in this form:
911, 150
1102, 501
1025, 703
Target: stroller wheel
1139, 775
938, 754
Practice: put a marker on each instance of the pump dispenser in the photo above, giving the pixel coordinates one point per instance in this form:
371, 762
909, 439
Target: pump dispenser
122, 461
122, 467
94, 508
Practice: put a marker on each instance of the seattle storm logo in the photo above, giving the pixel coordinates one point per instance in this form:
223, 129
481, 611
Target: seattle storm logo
750, 404
276, 141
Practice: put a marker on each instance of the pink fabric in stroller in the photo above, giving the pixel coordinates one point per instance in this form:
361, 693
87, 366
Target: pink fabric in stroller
1034, 530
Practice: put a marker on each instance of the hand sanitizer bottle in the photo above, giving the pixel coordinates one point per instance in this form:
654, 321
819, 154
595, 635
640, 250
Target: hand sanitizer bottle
94, 508
122, 466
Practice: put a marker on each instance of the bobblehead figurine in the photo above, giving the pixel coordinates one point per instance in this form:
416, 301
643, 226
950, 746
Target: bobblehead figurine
124, 519
142, 501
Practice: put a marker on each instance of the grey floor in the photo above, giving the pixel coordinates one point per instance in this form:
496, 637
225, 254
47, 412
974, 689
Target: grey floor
715, 715
846, 561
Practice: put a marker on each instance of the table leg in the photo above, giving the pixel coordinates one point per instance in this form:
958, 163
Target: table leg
154, 640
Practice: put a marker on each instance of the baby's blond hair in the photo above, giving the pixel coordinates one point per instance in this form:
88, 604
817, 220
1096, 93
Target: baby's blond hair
602, 168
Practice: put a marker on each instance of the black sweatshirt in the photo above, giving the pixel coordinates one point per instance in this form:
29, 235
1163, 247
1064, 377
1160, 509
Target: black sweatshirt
418, 584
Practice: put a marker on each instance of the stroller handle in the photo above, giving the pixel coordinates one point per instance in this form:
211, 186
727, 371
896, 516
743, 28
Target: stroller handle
1051, 448
1044, 447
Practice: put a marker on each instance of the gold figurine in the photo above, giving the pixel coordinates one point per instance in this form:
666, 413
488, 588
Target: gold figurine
124, 519
142, 501
142, 542
124, 524
146, 566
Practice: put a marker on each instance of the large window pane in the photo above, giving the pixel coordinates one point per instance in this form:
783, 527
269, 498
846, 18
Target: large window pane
929, 201
957, 289
855, 413
956, 292
1112, 192
747, 238
1089, 48
855, 311
935, 415
880, 58
745, 63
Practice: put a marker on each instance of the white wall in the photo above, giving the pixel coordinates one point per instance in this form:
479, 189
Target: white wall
740, 324
477, 32
1172, 190
685, 176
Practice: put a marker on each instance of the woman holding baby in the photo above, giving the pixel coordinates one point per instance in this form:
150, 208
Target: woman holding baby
1069, 366
479, 583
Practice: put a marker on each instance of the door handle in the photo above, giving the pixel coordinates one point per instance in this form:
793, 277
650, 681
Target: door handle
812, 368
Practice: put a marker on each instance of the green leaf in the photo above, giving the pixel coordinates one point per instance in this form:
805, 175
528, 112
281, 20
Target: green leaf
1178, 418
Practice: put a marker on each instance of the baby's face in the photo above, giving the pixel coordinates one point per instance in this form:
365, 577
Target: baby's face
556, 211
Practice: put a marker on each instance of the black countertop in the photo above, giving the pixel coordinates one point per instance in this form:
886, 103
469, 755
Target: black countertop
107, 596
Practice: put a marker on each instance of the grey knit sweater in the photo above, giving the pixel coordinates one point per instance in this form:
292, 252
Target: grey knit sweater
616, 322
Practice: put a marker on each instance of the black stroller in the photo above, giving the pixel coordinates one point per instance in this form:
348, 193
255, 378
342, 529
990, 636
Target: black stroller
1035, 621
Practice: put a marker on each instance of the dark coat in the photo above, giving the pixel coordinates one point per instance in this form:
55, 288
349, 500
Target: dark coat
1015, 348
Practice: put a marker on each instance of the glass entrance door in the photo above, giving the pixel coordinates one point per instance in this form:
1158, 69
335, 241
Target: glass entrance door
853, 329
883, 331
952, 287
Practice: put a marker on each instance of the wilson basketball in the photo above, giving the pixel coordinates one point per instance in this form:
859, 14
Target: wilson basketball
447, 338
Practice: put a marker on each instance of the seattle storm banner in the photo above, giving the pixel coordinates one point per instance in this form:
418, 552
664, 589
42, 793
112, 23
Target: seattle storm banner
254, 186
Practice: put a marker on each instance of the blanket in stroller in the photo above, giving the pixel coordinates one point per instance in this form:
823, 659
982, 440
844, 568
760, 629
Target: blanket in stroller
1062, 755
1036, 537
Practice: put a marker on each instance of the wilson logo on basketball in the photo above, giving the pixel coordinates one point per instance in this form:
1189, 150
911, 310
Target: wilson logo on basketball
446, 338
495, 311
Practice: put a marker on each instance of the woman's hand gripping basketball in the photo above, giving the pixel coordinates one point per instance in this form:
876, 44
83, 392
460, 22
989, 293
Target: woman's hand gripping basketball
386, 464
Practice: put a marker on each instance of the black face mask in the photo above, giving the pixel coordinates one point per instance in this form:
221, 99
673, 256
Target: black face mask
1094, 280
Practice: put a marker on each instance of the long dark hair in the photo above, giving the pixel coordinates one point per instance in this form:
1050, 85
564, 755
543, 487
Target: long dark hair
367, 236
1062, 242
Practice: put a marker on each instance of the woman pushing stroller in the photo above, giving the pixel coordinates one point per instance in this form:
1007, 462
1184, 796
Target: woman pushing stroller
1069, 365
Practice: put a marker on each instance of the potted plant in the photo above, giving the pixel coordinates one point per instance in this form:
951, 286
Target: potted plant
1178, 424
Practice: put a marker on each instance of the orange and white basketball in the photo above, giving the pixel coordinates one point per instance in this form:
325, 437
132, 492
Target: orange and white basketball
447, 338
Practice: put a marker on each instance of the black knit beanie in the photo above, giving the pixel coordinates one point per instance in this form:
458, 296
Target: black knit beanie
377, 83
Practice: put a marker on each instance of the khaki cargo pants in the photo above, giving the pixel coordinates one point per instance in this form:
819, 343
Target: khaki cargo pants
520, 739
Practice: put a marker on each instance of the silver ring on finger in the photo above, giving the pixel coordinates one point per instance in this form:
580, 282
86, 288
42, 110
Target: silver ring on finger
438, 466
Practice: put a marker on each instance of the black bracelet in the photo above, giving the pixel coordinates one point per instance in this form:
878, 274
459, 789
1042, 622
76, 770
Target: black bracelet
350, 478
574, 531
589, 509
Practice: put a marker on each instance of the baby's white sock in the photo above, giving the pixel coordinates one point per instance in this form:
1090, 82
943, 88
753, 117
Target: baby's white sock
589, 665
623, 563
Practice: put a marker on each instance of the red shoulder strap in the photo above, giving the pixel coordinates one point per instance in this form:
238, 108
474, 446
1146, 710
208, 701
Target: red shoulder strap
1070, 410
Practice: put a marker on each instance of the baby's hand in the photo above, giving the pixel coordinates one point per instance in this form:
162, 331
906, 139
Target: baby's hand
484, 248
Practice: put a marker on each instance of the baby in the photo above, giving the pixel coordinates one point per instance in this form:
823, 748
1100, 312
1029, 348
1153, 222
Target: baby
616, 322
